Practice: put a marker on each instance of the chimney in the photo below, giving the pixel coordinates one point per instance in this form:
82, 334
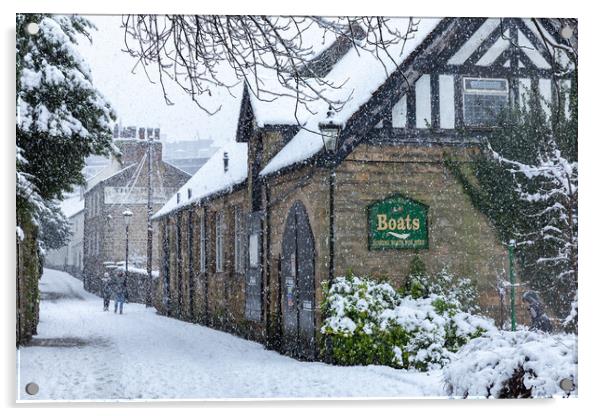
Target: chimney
225, 161
141, 132
189, 193
157, 134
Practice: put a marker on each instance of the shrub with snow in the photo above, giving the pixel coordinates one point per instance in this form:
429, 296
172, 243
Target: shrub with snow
513, 365
455, 290
367, 322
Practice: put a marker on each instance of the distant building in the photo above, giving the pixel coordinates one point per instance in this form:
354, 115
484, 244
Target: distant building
122, 185
186, 149
188, 165
70, 257
188, 155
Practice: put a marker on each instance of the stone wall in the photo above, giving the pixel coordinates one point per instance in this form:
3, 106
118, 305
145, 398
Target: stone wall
214, 298
28, 274
460, 237
310, 186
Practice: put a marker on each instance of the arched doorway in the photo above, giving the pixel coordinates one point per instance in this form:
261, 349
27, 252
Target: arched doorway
298, 285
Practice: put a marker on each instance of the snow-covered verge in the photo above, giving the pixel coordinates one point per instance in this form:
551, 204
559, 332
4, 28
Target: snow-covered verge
513, 364
368, 322
83, 353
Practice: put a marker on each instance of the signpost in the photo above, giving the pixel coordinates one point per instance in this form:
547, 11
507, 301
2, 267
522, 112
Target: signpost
511, 246
398, 223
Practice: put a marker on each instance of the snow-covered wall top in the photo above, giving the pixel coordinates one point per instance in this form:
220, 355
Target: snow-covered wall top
359, 73
211, 178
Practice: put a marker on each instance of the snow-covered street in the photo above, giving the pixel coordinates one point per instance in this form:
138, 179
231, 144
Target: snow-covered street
83, 353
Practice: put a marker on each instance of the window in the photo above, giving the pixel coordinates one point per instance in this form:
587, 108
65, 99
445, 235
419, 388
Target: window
219, 242
254, 250
239, 255
202, 245
484, 99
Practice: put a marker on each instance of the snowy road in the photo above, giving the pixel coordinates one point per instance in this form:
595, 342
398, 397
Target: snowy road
83, 353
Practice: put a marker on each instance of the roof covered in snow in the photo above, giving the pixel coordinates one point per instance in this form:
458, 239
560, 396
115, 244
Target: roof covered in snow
211, 178
358, 73
72, 206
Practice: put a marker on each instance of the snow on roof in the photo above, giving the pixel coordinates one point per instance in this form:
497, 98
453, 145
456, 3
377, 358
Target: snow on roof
274, 103
211, 178
106, 173
72, 206
360, 73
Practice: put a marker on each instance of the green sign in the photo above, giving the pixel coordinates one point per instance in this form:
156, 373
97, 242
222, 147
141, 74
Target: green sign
397, 223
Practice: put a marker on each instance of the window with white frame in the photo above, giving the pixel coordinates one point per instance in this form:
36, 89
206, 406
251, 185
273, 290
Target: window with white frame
239, 255
219, 242
202, 245
484, 99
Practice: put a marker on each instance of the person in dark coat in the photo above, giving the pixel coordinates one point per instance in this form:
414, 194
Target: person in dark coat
106, 291
539, 319
119, 290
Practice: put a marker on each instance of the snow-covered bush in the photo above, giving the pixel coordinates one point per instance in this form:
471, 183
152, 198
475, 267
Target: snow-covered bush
367, 322
457, 291
513, 365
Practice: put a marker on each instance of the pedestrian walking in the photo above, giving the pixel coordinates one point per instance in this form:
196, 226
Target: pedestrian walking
539, 319
120, 290
106, 291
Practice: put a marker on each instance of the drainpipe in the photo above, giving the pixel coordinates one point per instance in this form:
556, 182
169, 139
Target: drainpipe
331, 179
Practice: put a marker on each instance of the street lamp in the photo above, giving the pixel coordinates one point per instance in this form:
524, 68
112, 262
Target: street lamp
330, 131
127, 216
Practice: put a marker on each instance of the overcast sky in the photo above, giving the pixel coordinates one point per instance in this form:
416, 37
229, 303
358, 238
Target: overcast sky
138, 102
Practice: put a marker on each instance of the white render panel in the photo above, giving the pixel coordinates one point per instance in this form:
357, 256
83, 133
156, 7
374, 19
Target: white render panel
496, 50
545, 91
524, 86
474, 41
561, 56
447, 116
400, 112
532, 53
423, 101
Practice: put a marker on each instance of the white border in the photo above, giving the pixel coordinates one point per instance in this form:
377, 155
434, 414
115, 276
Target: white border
591, 151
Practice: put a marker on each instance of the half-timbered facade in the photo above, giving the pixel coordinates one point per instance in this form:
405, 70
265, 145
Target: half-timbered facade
252, 238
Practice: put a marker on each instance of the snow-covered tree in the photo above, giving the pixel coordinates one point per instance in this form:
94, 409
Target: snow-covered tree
553, 200
61, 117
525, 181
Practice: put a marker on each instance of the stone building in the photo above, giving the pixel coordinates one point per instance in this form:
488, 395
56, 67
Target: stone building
125, 188
249, 241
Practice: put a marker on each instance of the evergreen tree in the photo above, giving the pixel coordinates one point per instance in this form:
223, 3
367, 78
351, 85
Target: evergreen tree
61, 117
526, 184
